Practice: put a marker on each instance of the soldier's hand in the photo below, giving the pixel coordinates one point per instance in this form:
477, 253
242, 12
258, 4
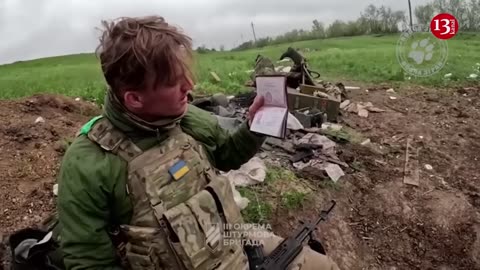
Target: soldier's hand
257, 103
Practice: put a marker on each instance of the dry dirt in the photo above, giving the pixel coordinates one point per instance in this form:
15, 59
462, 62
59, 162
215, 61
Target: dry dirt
30, 156
379, 222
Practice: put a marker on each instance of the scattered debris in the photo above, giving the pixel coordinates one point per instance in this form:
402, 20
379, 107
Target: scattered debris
284, 60
352, 88
319, 169
293, 123
331, 126
304, 88
473, 76
366, 142
77, 99
390, 90
334, 171
428, 167
344, 104
250, 173
317, 139
298, 101
392, 97
39, 120
411, 172
220, 99
283, 69
326, 90
363, 112
310, 117
360, 108
55, 189
285, 145
240, 201
215, 76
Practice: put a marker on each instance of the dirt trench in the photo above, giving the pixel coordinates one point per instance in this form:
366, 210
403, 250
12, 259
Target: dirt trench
34, 133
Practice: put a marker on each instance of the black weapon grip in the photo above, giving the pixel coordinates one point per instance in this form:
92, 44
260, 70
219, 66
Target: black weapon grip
255, 255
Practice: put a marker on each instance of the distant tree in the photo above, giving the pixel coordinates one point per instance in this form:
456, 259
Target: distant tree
472, 16
466, 12
202, 49
424, 14
318, 30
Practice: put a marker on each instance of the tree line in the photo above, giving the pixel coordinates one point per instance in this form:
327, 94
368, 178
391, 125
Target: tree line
466, 11
376, 20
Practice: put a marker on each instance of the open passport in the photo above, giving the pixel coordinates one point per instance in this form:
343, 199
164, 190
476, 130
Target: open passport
271, 118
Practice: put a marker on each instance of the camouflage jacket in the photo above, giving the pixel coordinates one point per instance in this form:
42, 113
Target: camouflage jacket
92, 184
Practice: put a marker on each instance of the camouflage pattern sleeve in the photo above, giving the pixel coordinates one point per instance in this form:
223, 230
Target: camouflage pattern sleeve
85, 195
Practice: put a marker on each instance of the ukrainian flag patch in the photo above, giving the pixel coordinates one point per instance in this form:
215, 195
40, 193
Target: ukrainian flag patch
178, 170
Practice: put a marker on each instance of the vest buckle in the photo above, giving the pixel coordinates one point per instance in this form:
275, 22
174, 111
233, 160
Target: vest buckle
214, 240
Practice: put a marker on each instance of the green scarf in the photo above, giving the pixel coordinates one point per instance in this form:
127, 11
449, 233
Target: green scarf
117, 112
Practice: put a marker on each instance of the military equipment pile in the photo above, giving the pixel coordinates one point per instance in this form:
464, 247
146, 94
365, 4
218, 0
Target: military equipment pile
314, 105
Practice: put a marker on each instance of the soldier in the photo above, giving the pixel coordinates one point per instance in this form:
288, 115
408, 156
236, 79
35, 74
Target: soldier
138, 187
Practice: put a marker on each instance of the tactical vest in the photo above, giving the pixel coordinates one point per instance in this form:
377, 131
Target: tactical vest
180, 205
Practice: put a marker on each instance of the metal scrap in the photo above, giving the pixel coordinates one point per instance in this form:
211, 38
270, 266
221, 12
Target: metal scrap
317, 139
310, 117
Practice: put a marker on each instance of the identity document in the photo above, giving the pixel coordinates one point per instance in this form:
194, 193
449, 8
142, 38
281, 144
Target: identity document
271, 118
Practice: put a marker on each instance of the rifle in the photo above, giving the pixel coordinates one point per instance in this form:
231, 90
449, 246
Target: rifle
288, 249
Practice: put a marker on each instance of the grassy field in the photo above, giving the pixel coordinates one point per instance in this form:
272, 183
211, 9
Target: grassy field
367, 59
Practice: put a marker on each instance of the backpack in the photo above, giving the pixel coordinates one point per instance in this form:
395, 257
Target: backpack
37, 248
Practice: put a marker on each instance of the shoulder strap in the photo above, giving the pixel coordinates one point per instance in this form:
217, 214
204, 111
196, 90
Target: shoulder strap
107, 136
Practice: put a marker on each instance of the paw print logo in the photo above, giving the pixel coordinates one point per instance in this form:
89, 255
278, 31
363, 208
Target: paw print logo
421, 55
421, 51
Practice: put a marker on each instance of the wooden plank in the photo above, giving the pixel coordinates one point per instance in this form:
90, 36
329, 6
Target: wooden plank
411, 170
310, 89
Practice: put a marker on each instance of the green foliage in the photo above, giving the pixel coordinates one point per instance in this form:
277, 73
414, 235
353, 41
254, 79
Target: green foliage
364, 58
276, 173
258, 210
293, 199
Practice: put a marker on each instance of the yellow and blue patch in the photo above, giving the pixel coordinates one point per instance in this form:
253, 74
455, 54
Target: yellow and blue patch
178, 170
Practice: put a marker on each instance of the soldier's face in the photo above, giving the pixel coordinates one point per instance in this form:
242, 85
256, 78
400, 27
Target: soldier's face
160, 101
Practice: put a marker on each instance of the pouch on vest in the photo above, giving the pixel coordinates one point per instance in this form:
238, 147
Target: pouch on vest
30, 249
139, 254
197, 227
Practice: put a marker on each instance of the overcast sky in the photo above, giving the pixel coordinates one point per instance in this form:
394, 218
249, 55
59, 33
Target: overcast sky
39, 28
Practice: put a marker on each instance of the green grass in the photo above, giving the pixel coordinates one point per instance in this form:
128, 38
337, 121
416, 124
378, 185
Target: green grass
280, 190
366, 59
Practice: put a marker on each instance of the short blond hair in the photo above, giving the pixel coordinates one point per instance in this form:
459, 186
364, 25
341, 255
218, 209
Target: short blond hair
143, 52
